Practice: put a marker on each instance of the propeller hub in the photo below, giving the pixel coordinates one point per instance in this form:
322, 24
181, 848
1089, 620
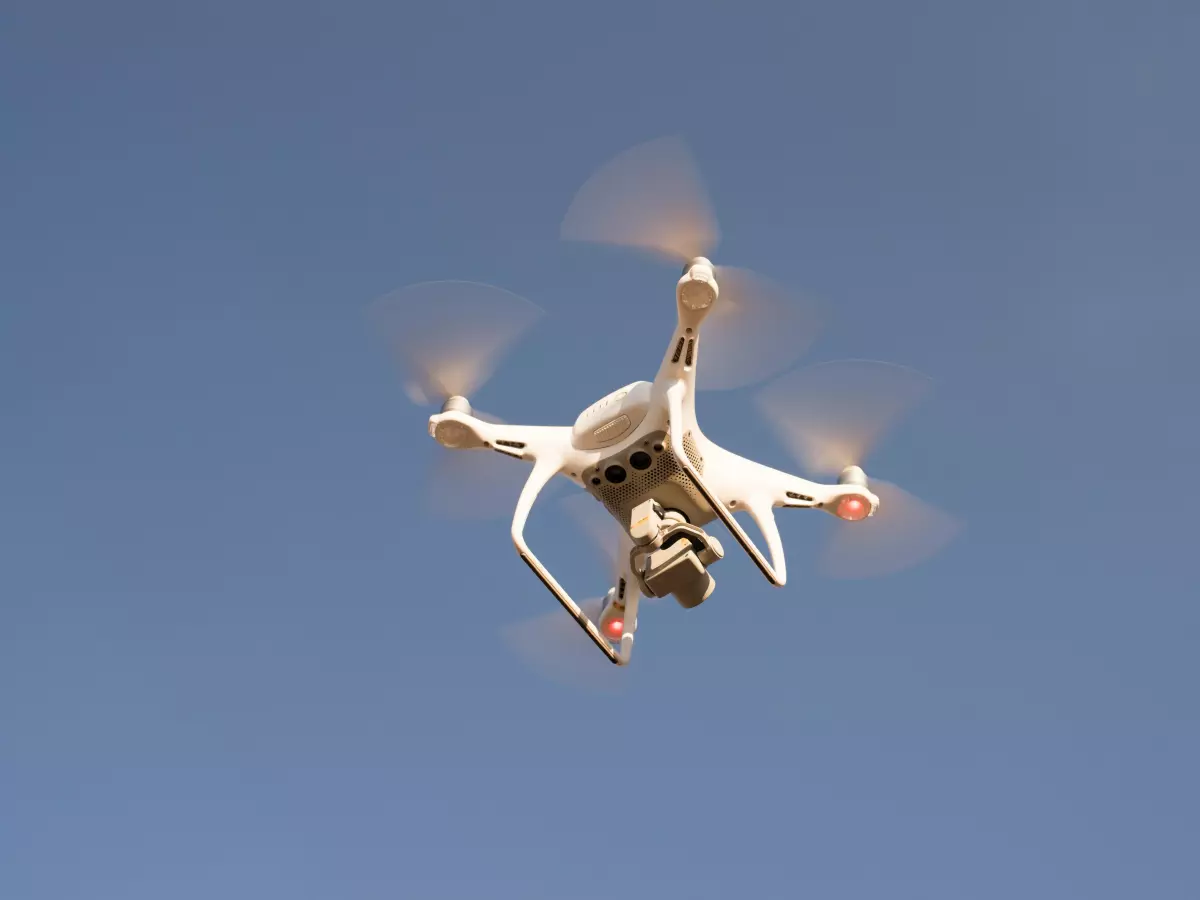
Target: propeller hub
457, 404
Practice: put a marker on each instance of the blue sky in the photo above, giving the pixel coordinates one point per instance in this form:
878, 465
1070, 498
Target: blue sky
238, 658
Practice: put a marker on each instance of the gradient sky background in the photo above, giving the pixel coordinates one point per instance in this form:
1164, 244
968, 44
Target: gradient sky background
238, 660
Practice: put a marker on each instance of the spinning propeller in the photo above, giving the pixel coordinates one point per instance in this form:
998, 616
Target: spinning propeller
550, 645
652, 198
830, 416
448, 337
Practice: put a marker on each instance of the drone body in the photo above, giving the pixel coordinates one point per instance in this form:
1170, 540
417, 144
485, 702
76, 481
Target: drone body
640, 452
643, 445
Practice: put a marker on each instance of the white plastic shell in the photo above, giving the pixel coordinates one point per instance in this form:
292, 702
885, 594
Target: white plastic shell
615, 417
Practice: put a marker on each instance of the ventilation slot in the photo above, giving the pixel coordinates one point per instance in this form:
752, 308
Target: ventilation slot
691, 348
794, 496
678, 351
621, 589
516, 445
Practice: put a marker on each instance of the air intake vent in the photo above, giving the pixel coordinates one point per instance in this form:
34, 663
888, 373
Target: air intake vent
678, 351
612, 430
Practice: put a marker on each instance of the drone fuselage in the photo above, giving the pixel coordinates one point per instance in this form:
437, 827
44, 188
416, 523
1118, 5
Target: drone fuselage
642, 442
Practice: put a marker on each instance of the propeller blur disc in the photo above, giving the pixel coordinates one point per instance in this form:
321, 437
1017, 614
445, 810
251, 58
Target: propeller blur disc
449, 336
831, 415
555, 648
904, 532
757, 328
600, 528
650, 197
474, 485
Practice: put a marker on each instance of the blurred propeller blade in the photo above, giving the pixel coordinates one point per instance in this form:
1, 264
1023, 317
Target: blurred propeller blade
651, 198
449, 336
904, 532
555, 647
594, 520
474, 484
832, 414
486, 416
756, 329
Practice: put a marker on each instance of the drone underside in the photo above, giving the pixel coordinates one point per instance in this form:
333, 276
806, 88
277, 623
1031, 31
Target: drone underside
640, 451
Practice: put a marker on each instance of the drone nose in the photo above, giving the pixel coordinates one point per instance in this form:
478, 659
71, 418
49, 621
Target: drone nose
695, 261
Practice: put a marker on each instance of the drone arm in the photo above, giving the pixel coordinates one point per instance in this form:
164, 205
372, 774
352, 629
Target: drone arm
759, 489
545, 468
792, 492
761, 511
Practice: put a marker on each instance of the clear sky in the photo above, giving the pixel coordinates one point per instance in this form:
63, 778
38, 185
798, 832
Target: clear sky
238, 659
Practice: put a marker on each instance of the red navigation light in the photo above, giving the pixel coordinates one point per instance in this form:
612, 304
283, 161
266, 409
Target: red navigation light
615, 627
853, 508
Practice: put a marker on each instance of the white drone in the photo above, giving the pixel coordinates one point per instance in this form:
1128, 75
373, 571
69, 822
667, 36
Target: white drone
640, 451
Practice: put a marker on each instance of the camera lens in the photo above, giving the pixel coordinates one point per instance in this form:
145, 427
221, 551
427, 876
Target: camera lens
640, 460
615, 474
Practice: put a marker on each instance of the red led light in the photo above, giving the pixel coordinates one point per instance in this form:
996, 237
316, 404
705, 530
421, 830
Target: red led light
853, 508
616, 626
